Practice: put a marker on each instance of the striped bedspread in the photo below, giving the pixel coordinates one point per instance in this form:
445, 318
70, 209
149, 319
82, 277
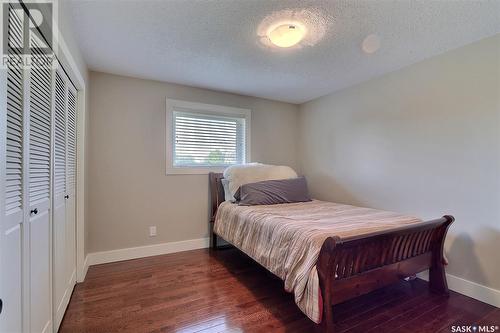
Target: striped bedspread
286, 239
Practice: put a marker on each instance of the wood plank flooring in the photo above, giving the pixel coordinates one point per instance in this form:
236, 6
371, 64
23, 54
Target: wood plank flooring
225, 291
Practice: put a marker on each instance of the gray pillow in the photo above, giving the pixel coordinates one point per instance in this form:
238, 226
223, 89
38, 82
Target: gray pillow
272, 192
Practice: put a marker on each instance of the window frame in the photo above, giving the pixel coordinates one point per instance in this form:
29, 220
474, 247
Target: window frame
207, 109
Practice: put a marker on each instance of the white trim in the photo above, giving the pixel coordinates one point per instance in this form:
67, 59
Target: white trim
48, 327
103, 257
219, 110
72, 280
469, 288
80, 184
3, 163
192, 171
68, 61
83, 273
61, 309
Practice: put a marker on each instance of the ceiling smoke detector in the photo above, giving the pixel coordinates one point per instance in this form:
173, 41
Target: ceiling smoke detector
371, 44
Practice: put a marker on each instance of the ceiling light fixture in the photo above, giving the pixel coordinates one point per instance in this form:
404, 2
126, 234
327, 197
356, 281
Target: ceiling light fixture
286, 34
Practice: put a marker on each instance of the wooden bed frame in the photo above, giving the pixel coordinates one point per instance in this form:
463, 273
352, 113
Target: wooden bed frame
351, 267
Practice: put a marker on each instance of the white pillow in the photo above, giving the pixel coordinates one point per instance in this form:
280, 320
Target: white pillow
227, 193
237, 175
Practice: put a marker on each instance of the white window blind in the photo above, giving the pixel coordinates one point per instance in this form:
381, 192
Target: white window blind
208, 140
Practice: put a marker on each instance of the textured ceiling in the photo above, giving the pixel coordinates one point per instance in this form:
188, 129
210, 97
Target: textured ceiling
216, 44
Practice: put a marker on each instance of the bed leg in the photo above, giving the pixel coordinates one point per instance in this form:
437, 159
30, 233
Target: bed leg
326, 274
327, 325
437, 274
437, 280
214, 241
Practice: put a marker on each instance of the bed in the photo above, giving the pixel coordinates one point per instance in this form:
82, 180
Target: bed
327, 253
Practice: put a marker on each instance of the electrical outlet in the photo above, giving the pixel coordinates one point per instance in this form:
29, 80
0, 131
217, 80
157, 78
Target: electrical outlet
152, 231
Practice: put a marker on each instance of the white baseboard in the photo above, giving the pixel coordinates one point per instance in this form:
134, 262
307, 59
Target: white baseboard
468, 288
61, 309
81, 277
103, 257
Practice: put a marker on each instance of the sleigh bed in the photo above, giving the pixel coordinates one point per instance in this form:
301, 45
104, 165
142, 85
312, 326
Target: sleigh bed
347, 264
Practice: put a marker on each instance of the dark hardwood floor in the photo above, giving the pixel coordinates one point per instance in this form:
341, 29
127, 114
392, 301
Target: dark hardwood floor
224, 291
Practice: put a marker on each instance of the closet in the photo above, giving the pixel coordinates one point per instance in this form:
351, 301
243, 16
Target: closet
37, 191
64, 173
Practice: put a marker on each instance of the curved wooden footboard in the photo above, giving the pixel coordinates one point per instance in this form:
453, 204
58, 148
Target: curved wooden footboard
352, 267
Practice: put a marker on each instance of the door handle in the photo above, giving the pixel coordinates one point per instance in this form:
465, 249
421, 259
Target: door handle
34, 211
1, 305
66, 196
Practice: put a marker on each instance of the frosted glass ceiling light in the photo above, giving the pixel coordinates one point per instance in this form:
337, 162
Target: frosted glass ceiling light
292, 29
286, 34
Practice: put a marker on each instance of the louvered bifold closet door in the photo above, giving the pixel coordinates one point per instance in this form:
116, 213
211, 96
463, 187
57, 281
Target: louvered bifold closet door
12, 149
71, 185
40, 139
59, 199
60, 137
71, 141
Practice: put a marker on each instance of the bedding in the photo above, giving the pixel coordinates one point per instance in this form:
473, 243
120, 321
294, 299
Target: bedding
271, 192
237, 175
227, 194
287, 238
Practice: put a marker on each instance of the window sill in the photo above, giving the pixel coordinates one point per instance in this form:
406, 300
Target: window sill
193, 171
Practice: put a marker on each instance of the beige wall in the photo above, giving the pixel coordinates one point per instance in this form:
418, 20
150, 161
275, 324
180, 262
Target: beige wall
127, 185
424, 140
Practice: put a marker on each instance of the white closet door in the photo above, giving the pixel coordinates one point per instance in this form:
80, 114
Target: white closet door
40, 102
11, 182
71, 185
60, 290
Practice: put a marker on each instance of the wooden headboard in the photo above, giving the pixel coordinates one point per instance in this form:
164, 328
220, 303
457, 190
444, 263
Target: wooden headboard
216, 192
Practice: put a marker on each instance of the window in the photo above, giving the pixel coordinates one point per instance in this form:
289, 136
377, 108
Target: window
204, 137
